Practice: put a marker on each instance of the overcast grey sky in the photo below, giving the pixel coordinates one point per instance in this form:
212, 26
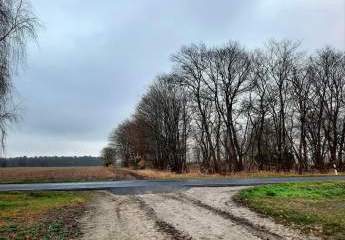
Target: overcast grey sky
94, 59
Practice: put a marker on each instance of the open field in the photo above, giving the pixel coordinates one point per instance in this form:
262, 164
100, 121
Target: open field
60, 174
317, 208
41, 215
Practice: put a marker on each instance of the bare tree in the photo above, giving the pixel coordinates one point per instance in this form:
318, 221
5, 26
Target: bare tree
164, 110
17, 24
279, 59
231, 77
327, 118
259, 104
129, 141
301, 94
190, 64
108, 155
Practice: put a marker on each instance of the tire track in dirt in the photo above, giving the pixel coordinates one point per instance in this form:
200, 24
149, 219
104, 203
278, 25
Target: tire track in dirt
198, 222
112, 217
223, 199
252, 228
198, 214
162, 225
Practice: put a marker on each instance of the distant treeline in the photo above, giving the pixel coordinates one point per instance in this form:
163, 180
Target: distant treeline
52, 161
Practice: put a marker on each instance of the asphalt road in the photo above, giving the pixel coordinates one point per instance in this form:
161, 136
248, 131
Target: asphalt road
143, 186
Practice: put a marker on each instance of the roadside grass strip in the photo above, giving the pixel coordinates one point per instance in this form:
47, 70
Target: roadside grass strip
317, 208
40, 215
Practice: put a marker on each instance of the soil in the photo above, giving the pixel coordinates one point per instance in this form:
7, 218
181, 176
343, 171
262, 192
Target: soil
197, 213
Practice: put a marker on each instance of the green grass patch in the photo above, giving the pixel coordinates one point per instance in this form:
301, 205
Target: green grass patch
40, 215
317, 208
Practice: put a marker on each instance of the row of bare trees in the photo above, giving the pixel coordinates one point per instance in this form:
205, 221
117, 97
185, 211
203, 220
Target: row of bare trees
158, 132
231, 109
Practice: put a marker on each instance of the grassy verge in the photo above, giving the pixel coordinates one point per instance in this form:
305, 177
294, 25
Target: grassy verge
196, 174
41, 215
317, 208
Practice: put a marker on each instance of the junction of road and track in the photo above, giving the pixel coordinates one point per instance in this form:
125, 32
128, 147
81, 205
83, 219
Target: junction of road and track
152, 186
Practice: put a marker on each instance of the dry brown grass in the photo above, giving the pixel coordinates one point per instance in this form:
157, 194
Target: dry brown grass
195, 173
97, 173
59, 174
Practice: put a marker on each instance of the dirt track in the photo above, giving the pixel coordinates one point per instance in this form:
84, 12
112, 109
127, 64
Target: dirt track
198, 213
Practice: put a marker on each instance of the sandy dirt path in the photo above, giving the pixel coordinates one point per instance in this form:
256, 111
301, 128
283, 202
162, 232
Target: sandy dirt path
118, 217
197, 213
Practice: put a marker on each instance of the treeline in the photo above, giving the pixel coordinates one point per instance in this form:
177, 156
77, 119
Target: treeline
51, 161
231, 109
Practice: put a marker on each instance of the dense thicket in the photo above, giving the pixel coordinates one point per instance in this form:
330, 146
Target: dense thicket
231, 109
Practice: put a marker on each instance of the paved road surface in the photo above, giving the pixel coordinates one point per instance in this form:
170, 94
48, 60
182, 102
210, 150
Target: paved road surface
143, 186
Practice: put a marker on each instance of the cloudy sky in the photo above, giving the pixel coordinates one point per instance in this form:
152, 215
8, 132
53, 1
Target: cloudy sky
94, 59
